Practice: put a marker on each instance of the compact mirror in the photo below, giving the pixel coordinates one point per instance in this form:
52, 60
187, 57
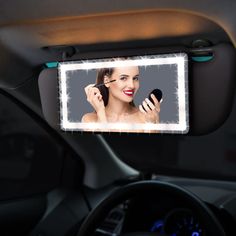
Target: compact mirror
138, 94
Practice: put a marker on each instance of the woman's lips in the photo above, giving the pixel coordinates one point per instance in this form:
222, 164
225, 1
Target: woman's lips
129, 93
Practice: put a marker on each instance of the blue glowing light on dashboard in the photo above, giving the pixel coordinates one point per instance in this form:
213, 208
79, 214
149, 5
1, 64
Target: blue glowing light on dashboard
157, 226
195, 234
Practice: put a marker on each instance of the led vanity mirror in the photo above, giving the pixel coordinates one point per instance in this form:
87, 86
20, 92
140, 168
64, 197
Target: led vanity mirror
141, 94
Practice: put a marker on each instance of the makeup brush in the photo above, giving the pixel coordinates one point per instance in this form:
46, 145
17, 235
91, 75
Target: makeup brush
99, 85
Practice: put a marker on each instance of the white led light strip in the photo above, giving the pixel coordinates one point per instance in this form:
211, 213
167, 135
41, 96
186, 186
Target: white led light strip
179, 59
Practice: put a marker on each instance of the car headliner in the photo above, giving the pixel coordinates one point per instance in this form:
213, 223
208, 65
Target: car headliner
28, 26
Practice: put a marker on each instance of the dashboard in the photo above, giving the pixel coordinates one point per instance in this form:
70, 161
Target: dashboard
149, 214
167, 215
163, 215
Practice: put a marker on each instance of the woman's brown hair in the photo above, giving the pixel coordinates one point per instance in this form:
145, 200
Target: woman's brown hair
100, 79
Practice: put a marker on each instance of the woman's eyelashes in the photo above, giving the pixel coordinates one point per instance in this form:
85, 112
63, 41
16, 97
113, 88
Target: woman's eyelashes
124, 78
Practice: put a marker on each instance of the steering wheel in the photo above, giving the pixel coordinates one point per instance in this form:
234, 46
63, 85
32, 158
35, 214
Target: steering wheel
96, 216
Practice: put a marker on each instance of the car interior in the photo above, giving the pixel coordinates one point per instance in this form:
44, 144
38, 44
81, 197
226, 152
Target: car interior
57, 181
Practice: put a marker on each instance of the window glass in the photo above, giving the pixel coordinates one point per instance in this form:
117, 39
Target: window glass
30, 159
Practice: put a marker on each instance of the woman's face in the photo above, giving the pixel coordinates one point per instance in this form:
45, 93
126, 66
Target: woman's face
126, 84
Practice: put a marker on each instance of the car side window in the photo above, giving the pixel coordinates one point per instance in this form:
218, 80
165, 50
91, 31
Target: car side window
30, 159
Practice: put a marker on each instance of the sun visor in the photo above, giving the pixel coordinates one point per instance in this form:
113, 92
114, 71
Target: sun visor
18, 73
210, 91
212, 87
48, 88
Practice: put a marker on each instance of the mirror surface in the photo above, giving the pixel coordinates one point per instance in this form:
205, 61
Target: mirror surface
114, 94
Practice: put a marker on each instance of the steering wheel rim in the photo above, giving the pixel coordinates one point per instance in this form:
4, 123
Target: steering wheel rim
131, 190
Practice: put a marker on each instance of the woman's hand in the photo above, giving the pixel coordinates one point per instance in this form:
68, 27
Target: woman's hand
94, 97
151, 110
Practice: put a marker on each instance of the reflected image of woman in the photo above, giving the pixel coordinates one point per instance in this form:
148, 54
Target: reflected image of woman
114, 101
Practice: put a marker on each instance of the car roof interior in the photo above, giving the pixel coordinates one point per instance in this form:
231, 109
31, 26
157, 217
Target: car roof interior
43, 35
